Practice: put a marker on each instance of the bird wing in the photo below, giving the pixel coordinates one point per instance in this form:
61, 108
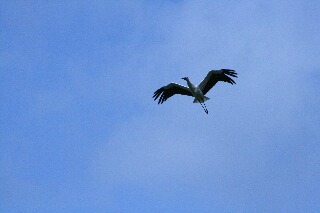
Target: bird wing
214, 76
170, 90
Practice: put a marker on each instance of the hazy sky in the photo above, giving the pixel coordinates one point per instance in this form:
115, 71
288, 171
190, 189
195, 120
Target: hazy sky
79, 131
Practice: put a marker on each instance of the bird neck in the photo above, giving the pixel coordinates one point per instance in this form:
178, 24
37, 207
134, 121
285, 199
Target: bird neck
190, 85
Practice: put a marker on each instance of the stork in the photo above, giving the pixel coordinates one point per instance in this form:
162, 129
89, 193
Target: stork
196, 91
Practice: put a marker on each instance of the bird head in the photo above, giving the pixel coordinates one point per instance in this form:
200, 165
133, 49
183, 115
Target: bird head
185, 78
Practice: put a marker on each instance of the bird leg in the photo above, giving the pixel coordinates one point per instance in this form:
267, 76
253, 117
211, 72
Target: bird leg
204, 108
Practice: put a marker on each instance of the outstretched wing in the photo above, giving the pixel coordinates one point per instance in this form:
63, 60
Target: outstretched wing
170, 90
214, 76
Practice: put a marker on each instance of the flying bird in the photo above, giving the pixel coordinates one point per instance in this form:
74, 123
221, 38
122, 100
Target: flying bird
196, 91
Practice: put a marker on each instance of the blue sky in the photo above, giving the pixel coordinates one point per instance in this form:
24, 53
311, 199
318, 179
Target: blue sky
80, 131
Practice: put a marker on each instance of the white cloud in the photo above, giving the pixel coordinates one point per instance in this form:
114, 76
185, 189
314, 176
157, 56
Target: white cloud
232, 149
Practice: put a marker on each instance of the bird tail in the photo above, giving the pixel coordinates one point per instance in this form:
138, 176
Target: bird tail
205, 99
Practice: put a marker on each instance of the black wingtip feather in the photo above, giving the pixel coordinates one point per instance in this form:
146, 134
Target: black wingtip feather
230, 72
157, 93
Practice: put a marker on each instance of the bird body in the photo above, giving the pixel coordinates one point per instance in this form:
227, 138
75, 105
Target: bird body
198, 91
